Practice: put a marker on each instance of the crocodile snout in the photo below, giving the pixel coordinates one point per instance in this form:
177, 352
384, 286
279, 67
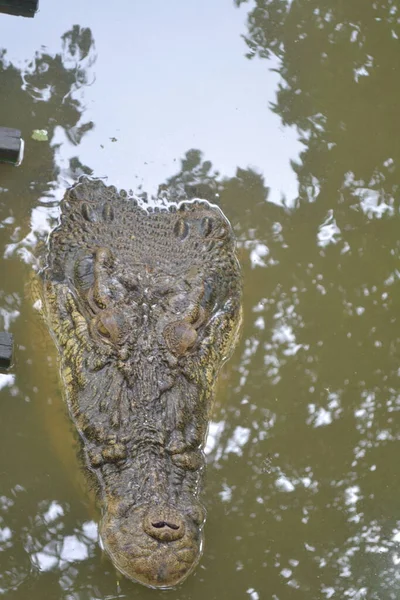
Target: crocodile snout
164, 524
157, 545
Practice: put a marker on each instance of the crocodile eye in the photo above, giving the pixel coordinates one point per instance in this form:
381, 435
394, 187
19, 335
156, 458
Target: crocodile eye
108, 327
179, 336
222, 232
181, 229
197, 513
102, 329
206, 226
190, 460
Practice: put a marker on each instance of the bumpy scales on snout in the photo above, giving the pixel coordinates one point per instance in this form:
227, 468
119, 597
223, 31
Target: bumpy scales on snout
144, 306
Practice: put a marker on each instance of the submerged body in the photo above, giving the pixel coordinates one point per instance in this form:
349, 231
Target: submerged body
144, 307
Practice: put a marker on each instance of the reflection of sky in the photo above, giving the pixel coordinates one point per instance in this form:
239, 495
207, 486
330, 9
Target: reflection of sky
40, 225
164, 85
6, 380
235, 443
71, 548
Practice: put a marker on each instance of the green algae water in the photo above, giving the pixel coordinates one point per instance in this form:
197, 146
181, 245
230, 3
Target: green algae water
285, 114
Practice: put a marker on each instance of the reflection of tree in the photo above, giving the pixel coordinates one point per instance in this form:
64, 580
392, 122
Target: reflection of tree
41, 94
318, 371
318, 368
47, 99
313, 392
340, 70
316, 386
195, 179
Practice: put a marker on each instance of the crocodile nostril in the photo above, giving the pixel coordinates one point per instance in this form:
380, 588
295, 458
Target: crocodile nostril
160, 524
164, 524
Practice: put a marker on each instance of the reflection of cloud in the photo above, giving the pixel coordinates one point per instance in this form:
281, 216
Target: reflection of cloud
396, 536
71, 548
240, 437
8, 317
320, 415
251, 345
374, 202
365, 69
329, 232
41, 226
226, 493
55, 510
214, 435
5, 503
257, 254
259, 323
90, 530
6, 380
258, 251
5, 534
7, 221
284, 335
284, 483
253, 594
45, 560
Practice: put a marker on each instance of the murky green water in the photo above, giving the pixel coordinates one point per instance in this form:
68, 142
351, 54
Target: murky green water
302, 481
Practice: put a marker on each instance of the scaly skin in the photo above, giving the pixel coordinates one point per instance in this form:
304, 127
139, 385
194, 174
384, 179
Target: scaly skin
144, 307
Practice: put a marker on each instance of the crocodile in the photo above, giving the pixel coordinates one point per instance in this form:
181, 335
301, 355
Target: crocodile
144, 306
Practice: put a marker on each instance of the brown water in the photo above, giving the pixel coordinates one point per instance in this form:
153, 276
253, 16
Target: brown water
302, 483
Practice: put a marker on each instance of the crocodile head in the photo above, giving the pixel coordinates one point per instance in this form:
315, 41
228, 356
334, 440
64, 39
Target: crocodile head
144, 307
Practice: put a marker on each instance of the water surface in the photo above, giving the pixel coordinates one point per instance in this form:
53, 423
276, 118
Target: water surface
286, 115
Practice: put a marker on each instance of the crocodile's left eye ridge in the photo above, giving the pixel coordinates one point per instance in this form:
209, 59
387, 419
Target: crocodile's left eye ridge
180, 337
109, 325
